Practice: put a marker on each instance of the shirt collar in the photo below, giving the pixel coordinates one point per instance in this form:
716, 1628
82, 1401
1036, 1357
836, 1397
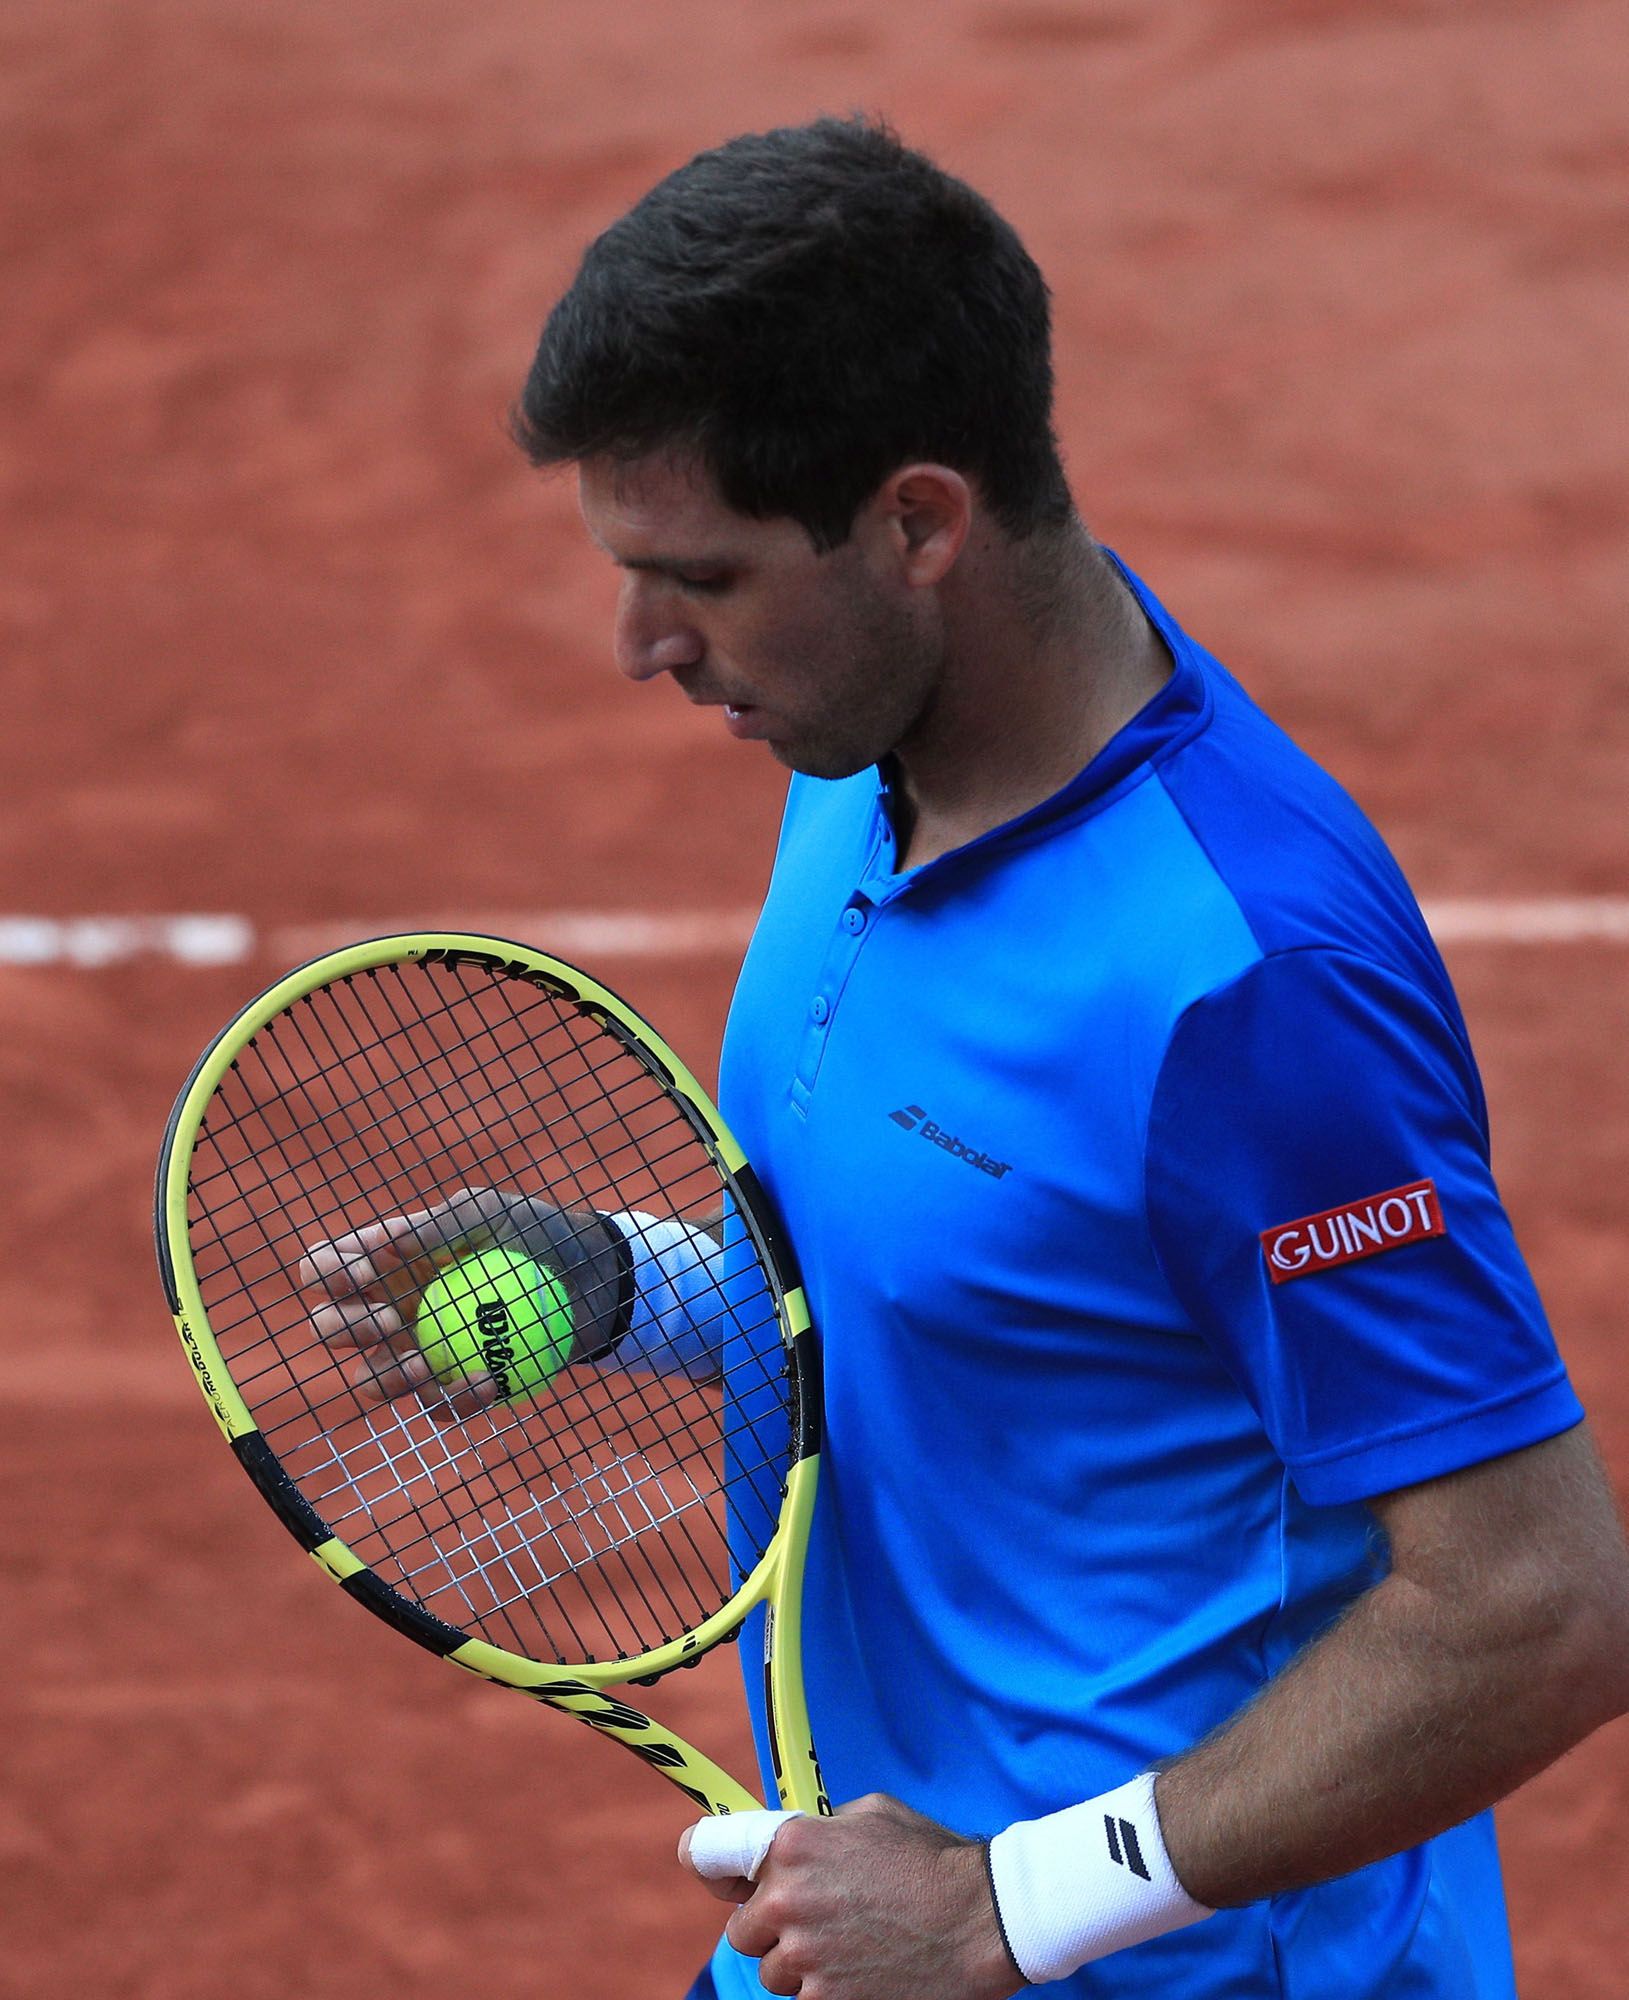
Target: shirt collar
1178, 711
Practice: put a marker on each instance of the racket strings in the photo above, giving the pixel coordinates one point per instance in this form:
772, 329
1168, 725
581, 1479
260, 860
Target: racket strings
609, 1547
605, 1543
538, 1544
427, 1159
617, 1510
289, 1186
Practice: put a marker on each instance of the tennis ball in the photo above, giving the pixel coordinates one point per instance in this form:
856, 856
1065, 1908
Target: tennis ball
496, 1314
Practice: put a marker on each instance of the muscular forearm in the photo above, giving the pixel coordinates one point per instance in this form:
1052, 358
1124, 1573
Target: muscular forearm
1379, 1737
1439, 1692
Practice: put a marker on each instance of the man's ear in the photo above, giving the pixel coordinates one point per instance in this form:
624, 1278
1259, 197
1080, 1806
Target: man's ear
921, 515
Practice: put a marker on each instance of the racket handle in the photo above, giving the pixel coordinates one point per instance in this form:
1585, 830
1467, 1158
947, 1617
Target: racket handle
734, 1844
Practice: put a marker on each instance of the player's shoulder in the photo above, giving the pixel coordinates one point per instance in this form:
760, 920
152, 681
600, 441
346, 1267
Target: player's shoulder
1266, 845
1342, 971
1290, 847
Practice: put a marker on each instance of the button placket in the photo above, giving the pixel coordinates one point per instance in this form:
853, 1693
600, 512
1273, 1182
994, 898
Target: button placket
853, 923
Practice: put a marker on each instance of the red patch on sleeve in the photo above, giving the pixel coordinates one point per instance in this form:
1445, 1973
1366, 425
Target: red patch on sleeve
1356, 1229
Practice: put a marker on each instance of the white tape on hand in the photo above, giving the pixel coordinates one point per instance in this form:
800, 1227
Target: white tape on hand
734, 1844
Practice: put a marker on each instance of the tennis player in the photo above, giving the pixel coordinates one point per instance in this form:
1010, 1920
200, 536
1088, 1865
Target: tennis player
1211, 1534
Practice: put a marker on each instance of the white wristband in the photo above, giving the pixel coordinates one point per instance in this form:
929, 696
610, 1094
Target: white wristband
1086, 1881
676, 1323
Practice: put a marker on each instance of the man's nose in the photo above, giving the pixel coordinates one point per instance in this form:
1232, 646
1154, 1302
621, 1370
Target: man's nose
654, 635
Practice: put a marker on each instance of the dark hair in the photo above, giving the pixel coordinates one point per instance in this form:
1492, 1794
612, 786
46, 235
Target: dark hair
806, 310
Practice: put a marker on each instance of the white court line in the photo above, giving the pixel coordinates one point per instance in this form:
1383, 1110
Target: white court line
200, 939
94, 941
89, 1375
1531, 920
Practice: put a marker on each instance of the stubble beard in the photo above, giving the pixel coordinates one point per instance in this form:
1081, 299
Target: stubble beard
878, 694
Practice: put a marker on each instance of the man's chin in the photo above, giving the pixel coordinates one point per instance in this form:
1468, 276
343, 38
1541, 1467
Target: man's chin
815, 761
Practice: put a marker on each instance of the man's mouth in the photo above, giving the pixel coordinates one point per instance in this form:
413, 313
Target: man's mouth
741, 718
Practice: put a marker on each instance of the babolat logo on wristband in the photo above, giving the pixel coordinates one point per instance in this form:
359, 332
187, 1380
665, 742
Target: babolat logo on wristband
1357, 1229
1125, 1850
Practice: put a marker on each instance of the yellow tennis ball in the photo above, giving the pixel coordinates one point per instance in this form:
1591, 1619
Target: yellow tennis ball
496, 1314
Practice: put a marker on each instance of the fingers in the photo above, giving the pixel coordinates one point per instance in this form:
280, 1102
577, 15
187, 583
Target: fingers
380, 1374
781, 1971
380, 1254
383, 1373
452, 1402
728, 1851
368, 1257
389, 1363
357, 1322
728, 1889
370, 1281
756, 1930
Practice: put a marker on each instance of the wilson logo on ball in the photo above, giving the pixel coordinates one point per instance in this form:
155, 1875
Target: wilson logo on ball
1357, 1229
497, 1349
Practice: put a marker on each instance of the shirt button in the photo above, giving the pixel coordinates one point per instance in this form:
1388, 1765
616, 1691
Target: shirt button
853, 920
819, 1007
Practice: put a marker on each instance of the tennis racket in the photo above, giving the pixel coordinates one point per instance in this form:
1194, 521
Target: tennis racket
380, 1115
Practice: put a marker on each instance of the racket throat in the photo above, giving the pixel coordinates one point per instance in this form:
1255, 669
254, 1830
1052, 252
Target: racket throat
771, 1717
786, 1717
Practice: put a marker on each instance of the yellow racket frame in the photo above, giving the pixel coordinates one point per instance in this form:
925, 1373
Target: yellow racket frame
775, 1582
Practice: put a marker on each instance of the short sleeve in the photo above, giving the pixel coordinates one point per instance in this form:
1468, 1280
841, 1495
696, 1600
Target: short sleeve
1290, 1106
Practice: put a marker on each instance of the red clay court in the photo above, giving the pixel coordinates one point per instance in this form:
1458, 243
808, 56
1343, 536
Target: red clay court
292, 637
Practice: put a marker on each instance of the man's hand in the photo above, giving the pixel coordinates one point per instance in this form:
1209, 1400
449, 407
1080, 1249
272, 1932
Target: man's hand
875, 1903
371, 1280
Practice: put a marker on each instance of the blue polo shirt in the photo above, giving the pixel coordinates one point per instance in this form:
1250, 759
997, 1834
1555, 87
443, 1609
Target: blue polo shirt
1137, 1163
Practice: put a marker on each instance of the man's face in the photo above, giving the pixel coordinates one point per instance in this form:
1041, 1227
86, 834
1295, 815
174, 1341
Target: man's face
829, 659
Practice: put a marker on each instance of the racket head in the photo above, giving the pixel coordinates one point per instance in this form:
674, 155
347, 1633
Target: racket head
594, 1534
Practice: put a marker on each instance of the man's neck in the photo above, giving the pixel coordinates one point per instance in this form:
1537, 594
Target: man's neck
1046, 668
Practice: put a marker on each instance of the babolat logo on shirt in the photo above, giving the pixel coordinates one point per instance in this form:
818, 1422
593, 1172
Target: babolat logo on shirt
1356, 1229
915, 1119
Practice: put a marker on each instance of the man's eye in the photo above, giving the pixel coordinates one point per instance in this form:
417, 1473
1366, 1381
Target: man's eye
707, 584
